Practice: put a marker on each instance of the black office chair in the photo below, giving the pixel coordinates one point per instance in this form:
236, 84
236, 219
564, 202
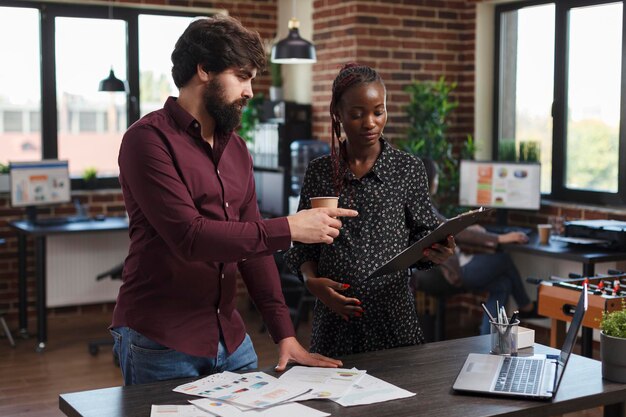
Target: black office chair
298, 299
3, 322
432, 318
94, 345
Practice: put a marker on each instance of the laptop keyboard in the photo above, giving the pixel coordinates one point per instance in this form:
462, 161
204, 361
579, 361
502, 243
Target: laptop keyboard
519, 375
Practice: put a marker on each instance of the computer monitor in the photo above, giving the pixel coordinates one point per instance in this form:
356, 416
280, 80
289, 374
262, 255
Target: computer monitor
502, 185
39, 183
270, 192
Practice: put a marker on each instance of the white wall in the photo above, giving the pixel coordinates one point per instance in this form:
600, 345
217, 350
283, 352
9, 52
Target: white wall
74, 260
483, 93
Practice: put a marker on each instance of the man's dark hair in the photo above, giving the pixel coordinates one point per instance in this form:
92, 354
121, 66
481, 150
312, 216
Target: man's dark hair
217, 43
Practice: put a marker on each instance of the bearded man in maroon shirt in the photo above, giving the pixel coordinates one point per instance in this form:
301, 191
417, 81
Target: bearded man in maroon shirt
188, 186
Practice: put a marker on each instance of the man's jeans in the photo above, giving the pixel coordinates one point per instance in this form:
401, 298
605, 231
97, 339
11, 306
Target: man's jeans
143, 360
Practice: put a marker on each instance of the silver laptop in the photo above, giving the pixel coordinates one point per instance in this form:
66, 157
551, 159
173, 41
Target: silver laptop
536, 376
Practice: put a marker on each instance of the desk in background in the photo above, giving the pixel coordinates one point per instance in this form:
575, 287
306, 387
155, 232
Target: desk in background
25, 229
585, 255
428, 370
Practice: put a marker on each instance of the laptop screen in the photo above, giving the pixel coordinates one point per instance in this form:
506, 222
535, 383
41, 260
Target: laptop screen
570, 338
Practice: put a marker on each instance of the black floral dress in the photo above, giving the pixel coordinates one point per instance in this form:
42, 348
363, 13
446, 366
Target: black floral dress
395, 210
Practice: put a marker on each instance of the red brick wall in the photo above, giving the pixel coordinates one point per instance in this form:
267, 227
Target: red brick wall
404, 41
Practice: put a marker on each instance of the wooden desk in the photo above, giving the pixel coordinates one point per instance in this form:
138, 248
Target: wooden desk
588, 257
39, 233
428, 370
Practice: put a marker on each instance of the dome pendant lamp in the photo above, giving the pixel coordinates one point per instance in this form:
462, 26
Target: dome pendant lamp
112, 83
293, 49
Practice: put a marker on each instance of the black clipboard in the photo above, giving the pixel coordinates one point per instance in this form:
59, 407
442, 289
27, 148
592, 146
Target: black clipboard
414, 253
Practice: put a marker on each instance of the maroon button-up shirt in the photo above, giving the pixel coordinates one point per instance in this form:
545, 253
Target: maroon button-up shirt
194, 220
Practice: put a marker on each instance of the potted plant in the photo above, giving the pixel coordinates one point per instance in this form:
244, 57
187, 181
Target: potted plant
506, 150
613, 344
529, 151
90, 177
429, 109
250, 118
4, 179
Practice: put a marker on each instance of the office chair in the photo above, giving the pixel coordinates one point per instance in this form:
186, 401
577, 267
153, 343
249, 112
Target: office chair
3, 322
6, 330
431, 308
298, 299
94, 345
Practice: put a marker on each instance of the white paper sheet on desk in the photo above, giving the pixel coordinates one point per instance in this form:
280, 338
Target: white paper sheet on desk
206, 383
326, 383
176, 411
250, 390
222, 409
370, 390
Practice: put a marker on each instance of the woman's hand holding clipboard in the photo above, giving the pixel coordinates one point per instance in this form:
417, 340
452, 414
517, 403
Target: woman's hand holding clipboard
415, 252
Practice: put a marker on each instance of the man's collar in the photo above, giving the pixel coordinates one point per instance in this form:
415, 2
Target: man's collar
181, 116
187, 122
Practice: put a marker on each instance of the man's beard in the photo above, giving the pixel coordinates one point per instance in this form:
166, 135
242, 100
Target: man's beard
227, 116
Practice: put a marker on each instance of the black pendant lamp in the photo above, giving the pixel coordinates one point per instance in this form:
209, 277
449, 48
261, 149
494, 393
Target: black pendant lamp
112, 83
293, 49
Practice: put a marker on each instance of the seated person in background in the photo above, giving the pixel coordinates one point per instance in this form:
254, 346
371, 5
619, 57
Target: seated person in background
389, 189
492, 272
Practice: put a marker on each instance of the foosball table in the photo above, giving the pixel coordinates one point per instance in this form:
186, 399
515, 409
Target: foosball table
557, 298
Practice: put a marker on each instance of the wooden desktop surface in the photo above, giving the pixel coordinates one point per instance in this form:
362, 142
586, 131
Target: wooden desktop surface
428, 370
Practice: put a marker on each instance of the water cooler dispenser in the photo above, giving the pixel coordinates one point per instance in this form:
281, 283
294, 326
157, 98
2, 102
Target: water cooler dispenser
303, 152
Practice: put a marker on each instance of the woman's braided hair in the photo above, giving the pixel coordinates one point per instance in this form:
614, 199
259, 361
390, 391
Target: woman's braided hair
351, 74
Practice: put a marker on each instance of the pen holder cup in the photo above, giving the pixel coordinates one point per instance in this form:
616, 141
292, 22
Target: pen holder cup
504, 338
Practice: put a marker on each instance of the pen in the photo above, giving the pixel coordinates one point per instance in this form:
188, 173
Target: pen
514, 317
498, 312
507, 332
505, 318
487, 312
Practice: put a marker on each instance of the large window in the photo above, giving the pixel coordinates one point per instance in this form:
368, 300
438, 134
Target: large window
20, 87
90, 123
156, 82
559, 91
54, 57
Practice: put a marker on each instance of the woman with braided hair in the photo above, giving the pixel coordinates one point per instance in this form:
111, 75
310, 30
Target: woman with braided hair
389, 189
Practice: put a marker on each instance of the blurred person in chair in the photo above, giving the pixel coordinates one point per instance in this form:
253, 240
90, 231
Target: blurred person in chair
188, 187
490, 271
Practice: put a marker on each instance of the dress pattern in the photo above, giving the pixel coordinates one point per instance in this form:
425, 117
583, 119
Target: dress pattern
395, 210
